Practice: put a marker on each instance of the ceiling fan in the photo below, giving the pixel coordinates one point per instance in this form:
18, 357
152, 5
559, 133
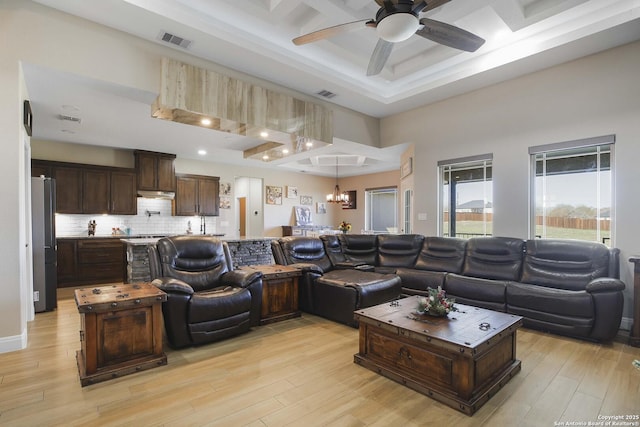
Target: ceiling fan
396, 21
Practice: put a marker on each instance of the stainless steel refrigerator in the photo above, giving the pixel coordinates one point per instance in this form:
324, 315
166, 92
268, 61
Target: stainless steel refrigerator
43, 207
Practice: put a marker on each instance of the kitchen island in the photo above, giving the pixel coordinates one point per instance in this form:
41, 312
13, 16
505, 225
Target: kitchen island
244, 251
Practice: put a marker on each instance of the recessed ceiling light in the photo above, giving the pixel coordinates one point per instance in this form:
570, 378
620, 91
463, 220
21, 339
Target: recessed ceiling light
309, 144
265, 157
202, 152
285, 151
264, 134
205, 122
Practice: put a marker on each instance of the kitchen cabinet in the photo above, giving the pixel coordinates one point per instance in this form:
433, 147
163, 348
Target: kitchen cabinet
68, 189
197, 195
87, 189
95, 191
90, 261
40, 168
156, 171
67, 268
123, 199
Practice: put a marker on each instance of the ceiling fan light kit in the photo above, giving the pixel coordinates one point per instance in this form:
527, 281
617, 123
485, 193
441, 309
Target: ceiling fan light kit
397, 27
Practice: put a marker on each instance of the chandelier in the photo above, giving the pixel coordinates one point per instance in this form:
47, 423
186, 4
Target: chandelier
337, 196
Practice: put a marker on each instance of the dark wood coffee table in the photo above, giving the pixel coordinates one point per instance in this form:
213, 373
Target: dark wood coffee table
461, 360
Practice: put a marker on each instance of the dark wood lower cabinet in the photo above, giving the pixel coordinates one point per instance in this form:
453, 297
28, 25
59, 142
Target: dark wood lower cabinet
90, 261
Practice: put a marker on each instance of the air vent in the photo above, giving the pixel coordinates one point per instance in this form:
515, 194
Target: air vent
69, 118
326, 94
175, 40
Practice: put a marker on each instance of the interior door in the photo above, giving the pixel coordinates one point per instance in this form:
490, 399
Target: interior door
242, 213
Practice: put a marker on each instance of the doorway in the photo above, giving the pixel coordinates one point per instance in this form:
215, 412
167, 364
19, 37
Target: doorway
242, 213
248, 201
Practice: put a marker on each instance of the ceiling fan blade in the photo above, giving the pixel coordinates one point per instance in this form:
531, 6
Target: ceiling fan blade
379, 57
330, 32
449, 35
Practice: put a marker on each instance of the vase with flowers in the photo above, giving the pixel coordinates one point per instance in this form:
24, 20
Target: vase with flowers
436, 303
345, 227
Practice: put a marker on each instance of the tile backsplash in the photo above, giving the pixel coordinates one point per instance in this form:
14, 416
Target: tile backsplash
154, 217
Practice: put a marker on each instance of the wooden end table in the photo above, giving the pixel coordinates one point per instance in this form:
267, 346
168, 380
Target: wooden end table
279, 292
461, 360
120, 331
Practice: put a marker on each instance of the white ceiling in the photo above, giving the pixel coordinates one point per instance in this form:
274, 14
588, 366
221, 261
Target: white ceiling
521, 36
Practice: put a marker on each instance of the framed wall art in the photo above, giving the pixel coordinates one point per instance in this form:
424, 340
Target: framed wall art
306, 200
225, 188
321, 208
292, 192
273, 195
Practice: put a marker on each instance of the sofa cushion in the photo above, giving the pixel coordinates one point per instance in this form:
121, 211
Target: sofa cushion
305, 250
360, 247
564, 264
339, 292
398, 250
416, 282
550, 300
219, 303
498, 258
441, 254
476, 291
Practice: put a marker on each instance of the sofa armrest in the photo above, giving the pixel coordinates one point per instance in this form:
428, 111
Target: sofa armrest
169, 285
241, 278
308, 267
349, 264
605, 284
608, 302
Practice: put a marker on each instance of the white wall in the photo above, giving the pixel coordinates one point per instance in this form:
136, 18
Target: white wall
593, 96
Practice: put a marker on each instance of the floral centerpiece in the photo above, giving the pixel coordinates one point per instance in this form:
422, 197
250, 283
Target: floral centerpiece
436, 303
344, 226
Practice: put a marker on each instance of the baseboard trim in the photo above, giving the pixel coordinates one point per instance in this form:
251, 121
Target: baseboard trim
13, 343
626, 323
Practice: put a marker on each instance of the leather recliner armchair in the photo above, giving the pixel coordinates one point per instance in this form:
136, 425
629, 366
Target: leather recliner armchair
207, 300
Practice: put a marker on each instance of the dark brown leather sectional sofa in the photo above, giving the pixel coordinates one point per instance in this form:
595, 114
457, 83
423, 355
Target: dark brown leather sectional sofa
566, 287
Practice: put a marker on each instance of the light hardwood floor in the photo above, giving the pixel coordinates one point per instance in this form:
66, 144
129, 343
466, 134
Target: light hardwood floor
300, 372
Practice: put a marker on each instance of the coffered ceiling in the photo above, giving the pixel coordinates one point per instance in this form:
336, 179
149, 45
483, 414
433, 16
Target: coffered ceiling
254, 37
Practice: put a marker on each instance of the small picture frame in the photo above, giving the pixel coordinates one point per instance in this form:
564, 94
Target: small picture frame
225, 188
292, 192
225, 202
306, 200
273, 195
321, 208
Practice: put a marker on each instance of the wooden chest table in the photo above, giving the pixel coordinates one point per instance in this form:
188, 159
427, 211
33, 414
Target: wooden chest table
279, 292
460, 360
120, 330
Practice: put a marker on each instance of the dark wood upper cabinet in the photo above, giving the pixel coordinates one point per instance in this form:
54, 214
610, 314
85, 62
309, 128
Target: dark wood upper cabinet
156, 171
86, 189
209, 196
123, 193
95, 191
197, 195
186, 196
68, 189
40, 168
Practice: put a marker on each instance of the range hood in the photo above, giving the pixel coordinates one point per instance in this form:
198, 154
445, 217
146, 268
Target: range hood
166, 195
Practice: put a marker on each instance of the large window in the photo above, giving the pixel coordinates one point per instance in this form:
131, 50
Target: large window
466, 197
381, 207
572, 190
